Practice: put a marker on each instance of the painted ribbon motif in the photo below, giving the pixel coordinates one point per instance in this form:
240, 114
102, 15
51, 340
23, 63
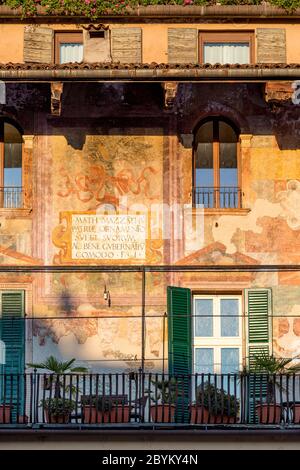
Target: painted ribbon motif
97, 184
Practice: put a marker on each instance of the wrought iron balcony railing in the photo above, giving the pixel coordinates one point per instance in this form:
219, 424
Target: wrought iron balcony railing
225, 197
137, 399
11, 197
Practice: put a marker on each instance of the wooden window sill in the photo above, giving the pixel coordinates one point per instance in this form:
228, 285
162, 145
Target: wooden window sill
15, 212
219, 211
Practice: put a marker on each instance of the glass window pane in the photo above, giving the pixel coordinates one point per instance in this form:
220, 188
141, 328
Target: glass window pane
229, 317
226, 53
227, 133
70, 52
204, 172
12, 156
230, 360
228, 166
204, 155
11, 134
204, 361
12, 165
203, 317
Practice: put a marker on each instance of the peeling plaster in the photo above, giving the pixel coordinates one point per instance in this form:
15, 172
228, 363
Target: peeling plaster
290, 203
228, 225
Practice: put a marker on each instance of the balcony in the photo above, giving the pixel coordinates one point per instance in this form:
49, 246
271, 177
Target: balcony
225, 197
150, 401
11, 197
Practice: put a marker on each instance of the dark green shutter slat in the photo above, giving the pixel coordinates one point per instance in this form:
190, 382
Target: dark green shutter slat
12, 333
258, 308
258, 320
180, 344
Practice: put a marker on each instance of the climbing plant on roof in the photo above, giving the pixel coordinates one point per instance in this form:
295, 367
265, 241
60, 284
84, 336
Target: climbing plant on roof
95, 8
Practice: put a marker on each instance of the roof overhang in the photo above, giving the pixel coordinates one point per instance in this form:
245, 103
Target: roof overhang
148, 72
168, 11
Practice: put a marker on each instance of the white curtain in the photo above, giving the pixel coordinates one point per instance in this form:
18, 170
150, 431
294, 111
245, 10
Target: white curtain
71, 52
226, 53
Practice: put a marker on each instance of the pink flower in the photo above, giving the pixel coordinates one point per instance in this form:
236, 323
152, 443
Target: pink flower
87, 2
188, 2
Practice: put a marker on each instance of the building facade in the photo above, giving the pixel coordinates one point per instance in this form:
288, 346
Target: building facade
150, 186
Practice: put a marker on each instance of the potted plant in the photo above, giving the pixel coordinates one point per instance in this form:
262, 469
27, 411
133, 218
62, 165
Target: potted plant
57, 408
105, 409
165, 397
267, 367
5, 413
213, 406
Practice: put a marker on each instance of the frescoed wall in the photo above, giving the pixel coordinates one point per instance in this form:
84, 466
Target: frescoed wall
101, 159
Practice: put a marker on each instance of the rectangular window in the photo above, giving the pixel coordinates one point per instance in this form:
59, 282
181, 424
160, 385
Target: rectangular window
11, 191
68, 47
217, 334
226, 47
216, 166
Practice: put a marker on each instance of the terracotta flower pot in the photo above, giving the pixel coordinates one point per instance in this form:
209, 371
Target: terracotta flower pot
162, 413
268, 413
200, 415
118, 414
296, 413
5, 414
63, 418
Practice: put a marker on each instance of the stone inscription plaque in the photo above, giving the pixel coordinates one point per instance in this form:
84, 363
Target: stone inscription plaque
108, 237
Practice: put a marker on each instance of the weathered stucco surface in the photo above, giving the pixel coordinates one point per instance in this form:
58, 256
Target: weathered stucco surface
114, 149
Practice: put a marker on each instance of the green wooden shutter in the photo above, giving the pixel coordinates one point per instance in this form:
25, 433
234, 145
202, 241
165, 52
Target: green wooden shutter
258, 312
180, 345
12, 333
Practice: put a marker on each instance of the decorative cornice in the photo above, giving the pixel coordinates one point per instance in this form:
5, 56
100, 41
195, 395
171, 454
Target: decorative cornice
30, 72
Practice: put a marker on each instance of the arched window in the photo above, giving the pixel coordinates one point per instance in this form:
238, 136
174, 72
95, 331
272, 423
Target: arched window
216, 167
10, 165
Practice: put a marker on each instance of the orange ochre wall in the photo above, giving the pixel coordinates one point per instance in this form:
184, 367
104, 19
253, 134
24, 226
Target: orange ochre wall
74, 168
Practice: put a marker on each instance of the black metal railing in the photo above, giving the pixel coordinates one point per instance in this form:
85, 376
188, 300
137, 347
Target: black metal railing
226, 197
136, 399
11, 197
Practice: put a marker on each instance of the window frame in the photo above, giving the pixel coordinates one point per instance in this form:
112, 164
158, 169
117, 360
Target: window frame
66, 37
227, 37
218, 342
3, 120
216, 161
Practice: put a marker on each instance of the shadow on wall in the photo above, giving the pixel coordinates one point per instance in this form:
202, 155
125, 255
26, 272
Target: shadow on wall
138, 109
65, 302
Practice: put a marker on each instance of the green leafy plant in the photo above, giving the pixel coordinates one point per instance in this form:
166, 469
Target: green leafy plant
95, 8
217, 400
58, 368
58, 406
102, 403
270, 364
268, 367
166, 391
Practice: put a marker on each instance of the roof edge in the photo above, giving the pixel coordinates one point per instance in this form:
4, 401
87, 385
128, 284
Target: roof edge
265, 10
149, 72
